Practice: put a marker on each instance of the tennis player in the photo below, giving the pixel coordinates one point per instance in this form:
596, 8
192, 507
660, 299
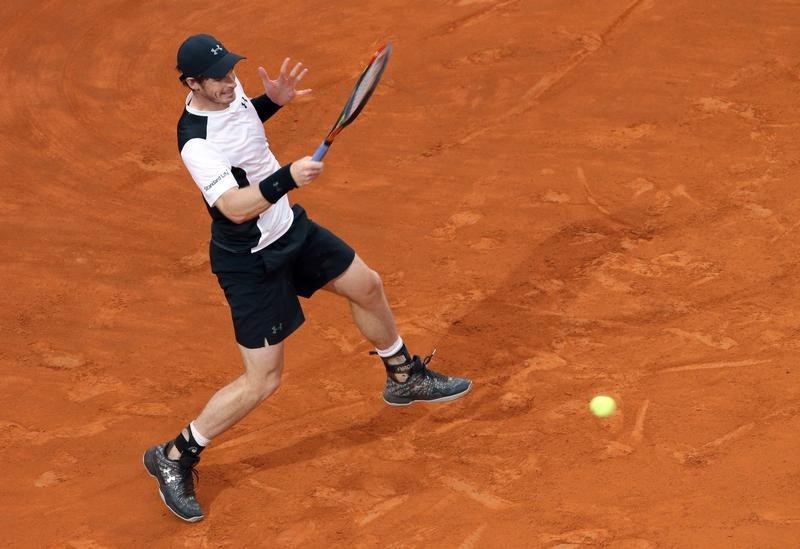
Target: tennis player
265, 253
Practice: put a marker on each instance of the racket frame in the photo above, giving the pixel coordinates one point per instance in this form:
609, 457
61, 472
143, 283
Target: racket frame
343, 121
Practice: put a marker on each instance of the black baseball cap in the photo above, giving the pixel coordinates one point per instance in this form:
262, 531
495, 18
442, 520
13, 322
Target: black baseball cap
204, 55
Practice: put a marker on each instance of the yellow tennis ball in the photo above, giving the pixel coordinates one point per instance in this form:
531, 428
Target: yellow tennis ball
602, 406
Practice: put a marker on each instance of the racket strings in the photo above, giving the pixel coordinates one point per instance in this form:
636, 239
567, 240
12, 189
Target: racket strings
367, 84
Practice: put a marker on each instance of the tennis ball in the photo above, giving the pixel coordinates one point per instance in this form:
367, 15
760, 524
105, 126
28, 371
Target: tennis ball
602, 406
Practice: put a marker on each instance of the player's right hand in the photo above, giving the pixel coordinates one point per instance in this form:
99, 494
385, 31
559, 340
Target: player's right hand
305, 170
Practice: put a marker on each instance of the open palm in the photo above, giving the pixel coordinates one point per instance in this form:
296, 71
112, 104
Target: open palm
284, 88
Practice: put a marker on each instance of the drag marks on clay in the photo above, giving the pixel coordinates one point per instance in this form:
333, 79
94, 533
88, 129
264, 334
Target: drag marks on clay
714, 365
49, 479
590, 43
578, 538
12, 432
637, 434
477, 17
452, 425
678, 265
77, 431
440, 317
456, 221
473, 539
519, 381
618, 137
347, 344
776, 518
554, 197
483, 497
703, 455
710, 106
639, 186
483, 57
469, 214
381, 509
569, 409
784, 233
145, 409
297, 534
148, 160
56, 360
632, 543
626, 445
87, 378
194, 262
707, 453
716, 342
390, 448
337, 391
646, 197
290, 425
91, 384
759, 74
696, 270
590, 197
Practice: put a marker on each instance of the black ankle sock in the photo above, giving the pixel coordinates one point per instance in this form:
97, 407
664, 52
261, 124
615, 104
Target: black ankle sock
398, 366
187, 447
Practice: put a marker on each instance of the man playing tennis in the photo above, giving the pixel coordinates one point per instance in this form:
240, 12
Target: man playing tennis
265, 253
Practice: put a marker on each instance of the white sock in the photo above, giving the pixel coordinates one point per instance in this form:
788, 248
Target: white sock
198, 436
391, 351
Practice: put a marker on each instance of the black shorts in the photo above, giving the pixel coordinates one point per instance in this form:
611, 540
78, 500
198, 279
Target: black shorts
262, 288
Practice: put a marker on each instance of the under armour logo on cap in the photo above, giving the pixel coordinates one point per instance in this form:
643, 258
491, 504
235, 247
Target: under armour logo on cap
204, 55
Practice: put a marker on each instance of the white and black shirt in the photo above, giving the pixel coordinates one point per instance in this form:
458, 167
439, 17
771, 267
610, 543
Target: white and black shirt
227, 149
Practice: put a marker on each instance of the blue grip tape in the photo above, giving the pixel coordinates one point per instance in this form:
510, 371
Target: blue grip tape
319, 154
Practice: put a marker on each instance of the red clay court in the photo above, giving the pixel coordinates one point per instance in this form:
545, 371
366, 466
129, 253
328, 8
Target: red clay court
563, 198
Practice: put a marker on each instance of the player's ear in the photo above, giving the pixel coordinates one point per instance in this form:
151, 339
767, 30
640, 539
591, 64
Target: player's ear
193, 83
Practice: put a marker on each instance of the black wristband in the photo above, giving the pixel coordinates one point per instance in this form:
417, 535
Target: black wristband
264, 106
277, 184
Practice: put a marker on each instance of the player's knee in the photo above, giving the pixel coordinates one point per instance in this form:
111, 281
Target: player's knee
260, 389
267, 390
268, 386
372, 286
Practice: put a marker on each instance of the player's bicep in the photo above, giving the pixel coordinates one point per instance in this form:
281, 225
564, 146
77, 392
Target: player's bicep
209, 170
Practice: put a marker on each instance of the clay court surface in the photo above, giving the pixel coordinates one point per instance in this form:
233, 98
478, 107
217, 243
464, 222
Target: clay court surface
563, 198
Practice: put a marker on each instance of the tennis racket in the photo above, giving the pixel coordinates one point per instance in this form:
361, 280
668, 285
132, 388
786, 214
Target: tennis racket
361, 93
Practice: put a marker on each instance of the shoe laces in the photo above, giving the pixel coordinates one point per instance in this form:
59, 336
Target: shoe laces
190, 476
427, 372
428, 358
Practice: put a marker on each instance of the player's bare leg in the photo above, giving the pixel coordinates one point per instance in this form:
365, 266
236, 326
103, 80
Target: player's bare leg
408, 378
261, 378
371, 312
172, 463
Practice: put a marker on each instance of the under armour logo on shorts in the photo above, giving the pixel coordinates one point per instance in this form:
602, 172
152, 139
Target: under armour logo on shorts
278, 328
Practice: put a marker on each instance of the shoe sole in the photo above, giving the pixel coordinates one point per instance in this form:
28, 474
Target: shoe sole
448, 398
160, 493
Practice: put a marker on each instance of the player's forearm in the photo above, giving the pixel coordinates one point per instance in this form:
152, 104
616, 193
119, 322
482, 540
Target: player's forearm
243, 204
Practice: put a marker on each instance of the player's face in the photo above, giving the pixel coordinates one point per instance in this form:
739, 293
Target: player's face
220, 91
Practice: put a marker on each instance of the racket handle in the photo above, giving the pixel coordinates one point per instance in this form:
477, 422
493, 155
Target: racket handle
319, 154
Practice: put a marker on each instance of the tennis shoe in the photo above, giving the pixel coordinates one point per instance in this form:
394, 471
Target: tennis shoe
415, 382
175, 481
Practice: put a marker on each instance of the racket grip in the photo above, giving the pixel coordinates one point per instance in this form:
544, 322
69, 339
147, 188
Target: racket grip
319, 154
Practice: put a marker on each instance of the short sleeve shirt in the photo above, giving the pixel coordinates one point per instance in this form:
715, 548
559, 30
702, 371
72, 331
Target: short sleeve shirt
226, 149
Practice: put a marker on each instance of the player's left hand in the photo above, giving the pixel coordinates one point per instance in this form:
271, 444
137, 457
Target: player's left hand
284, 88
